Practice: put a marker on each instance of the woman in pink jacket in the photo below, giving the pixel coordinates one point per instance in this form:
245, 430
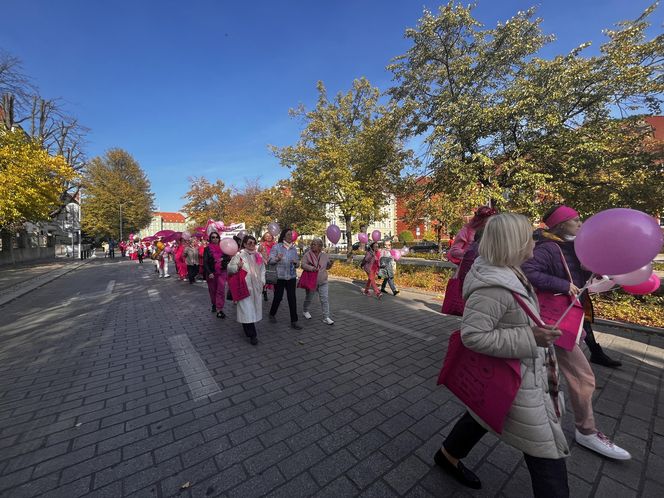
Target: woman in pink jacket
466, 235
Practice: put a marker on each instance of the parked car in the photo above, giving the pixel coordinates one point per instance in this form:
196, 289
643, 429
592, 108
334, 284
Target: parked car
425, 246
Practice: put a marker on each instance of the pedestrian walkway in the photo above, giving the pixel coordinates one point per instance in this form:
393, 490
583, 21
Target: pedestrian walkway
116, 383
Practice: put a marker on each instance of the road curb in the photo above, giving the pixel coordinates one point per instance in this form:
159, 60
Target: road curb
40, 281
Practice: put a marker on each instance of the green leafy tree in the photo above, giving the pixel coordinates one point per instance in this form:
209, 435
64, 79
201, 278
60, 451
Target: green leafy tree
349, 155
520, 129
283, 204
116, 191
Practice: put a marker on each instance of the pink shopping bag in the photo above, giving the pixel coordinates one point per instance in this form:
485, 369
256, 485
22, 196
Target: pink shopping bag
308, 280
237, 285
552, 307
453, 303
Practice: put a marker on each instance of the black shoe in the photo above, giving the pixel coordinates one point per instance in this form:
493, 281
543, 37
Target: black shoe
295, 326
264, 295
221, 314
254, 340
599, 357
460, 472
213, 309
273, 318
396, 292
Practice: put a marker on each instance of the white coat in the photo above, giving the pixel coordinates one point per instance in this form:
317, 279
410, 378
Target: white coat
250, 309
494, 324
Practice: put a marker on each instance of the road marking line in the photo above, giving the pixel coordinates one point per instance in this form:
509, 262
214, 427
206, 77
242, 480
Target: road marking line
110, 286
153, 295
390, 326
198, 377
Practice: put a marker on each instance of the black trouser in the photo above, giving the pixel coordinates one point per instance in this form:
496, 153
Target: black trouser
547, 475
140, 258
388, 280
249, 329
111, 253
279, 287
192, 271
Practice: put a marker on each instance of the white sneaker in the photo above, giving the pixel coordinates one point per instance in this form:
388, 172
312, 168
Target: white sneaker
167, 276
328, 320
603, 445
307, 315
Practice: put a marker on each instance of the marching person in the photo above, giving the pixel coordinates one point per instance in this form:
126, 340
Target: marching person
466, 235
555, 268
215, 264
317, 260
387, 267
495, 324
249, 309
370, 264
191, 260
284, 254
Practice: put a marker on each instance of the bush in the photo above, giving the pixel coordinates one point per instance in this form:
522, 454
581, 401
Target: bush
406, 237
622, 307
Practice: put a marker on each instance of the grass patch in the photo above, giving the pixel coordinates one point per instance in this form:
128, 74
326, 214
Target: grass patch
616, 305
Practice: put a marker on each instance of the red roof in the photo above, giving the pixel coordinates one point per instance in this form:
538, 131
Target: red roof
657, 124
170, 217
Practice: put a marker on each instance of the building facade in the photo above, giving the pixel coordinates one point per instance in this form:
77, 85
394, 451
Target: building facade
162, 220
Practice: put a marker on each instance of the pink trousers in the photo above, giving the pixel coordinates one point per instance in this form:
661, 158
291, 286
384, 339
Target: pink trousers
581, 386
217, 289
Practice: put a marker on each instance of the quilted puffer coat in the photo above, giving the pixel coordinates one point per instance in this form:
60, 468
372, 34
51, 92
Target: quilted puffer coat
494, 324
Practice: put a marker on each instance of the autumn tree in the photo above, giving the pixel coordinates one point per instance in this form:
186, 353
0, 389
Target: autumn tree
283, 204
116, 192
246, 206
31, 180
349, 155
519, 128
206, 201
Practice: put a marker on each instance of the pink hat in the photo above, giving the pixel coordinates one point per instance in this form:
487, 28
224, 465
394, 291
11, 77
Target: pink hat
560, 215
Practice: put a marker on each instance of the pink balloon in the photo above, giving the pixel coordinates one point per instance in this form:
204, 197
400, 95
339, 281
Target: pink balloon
396, 254
333, 233
295, 235
273, 228
186, 235
228, 246
167, 249
404, 250
650, 285
376, 235
618, 241
362, 237
634, 278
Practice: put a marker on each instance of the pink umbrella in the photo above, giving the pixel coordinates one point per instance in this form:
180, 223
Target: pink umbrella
164, 233
172, 237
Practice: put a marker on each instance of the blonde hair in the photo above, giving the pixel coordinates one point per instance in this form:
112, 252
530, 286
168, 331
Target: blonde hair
506, 239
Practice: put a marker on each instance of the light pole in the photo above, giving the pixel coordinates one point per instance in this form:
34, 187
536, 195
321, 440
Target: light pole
120, 222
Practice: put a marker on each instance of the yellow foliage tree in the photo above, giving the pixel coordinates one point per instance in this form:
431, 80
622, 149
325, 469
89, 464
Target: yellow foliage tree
31, 180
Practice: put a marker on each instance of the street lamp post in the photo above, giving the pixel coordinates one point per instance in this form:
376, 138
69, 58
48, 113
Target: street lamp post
120, 222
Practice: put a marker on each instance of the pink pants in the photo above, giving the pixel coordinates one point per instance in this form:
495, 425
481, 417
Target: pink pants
371, 282
217, 289
581, 386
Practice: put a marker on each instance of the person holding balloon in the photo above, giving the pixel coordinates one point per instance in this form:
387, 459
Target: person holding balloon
371, 264
284, 255
555, 268
386, 267
164, 258
315, 260
267, 242
215, 264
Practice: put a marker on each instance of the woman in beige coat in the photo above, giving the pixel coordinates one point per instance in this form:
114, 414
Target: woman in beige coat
494, 324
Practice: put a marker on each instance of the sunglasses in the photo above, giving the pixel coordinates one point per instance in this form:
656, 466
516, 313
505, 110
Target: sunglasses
252, 242
214, 237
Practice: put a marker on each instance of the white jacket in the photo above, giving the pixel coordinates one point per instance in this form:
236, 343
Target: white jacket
494, 324
250, 309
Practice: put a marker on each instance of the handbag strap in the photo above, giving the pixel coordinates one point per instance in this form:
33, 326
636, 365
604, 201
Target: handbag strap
562, 257
538, 321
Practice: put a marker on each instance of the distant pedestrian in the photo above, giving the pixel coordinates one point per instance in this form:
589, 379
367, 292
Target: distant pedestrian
249, 309
317, 261
387, 267
164, 259
111, 248
370, 264
180, 261
267, 242
284, 254
139, 253
191, 260
215, 264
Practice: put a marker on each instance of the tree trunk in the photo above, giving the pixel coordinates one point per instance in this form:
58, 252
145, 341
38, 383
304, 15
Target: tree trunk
349, 239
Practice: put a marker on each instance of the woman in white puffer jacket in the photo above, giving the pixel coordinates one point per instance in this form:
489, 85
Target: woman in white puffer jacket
494, 324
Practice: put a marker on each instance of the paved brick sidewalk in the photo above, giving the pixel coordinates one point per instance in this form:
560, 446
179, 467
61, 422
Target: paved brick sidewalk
116, 383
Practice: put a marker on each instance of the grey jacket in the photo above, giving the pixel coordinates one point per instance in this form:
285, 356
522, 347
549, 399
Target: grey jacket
494, 324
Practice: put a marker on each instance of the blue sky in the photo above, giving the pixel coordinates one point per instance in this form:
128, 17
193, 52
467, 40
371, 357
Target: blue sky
201, 88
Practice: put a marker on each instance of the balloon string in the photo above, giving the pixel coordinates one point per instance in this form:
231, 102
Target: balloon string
576, 298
